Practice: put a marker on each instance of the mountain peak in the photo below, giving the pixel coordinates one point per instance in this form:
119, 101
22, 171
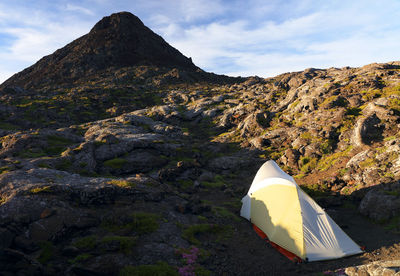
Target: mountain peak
116, 41
117, 21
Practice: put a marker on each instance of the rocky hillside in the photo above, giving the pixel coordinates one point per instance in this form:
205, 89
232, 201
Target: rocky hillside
130, 168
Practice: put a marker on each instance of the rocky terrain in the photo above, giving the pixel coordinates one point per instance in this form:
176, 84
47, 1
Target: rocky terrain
120, 157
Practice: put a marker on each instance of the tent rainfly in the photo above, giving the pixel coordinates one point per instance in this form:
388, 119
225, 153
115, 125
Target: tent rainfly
291, 220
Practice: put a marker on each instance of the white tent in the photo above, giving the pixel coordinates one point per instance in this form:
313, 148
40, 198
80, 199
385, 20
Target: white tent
293, 220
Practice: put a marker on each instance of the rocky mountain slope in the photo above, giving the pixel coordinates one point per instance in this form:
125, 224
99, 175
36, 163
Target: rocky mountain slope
119, 66
114, 166
119, 40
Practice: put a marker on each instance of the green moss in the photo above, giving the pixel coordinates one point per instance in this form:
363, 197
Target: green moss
56, 145
217, 182
42, 189
44, 165
145, 222
79, 130
338, 101
140, 222
185, 184
354, 111
394, 104
125, 243
306, 135
181, 108
391, 90
294, 104
54, 140
86, 243
224, 213
315, 190
81, 258
160, 269
116, 163
85, 172
390, 138
99, 143
122, 183
347, 190
157, 100
193, 232
5, 169
235, 203
308, 164
8, 126
275, 155
328, 161
367, 163
47, 252
368, 95
393, 224
185, 129
201, 218
32, 153
145, 127
343, 171
64, 165
299, 176
326, 146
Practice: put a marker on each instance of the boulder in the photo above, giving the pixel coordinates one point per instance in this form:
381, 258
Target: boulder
367, 130
306, 105
381, 268
260, 142
337, 101
290, 158
129, 143
254, 124
226, 120
380, 205
46, 229
191, 114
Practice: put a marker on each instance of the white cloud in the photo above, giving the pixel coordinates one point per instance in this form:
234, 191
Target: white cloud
199, 9
5, 73
86, 11
32, 34
324, 38
31, 44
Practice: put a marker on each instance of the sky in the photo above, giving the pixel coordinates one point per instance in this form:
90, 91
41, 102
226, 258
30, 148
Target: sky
231, 37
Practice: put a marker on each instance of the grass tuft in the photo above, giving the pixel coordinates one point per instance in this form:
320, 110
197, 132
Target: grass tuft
116, 163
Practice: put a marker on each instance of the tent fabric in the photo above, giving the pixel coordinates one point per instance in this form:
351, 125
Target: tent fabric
276, 205
287, 254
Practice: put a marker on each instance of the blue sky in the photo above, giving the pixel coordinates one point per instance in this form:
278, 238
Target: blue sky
237, 37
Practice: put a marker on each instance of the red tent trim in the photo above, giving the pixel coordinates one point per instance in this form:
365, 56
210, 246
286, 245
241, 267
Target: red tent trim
283, 251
